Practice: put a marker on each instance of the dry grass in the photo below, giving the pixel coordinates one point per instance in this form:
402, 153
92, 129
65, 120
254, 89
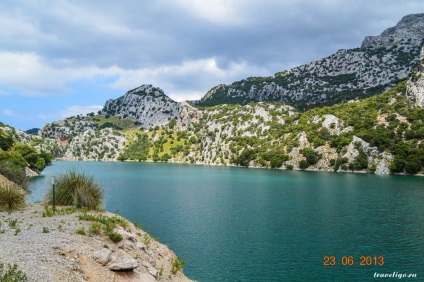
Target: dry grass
78, 189
11, 196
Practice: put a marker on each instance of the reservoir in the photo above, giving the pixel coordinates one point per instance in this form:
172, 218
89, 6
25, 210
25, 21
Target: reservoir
239, 224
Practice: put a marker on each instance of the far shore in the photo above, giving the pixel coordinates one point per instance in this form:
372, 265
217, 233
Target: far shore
232, 165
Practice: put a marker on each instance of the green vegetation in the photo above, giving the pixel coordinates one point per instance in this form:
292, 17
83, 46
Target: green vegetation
77, 188
11, 197
11, 273
95, 228
388, 121
177, 265
108, 224
80, 230
138, 149
115, 237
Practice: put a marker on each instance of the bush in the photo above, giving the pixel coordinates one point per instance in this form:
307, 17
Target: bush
115, 237
177, 265
11, 197
95, 228
77, 188
11, 273
303, 164
13, 172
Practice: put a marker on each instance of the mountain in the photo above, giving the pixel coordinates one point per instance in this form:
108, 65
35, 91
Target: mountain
102, 137
379, 134
379, 64
148, 107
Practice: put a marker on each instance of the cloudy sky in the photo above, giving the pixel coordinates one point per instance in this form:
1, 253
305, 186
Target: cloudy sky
60, 58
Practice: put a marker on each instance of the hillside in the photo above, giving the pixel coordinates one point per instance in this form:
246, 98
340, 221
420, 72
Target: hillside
379, 64
380, 134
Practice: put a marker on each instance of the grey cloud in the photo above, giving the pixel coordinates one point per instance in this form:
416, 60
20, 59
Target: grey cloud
271, 35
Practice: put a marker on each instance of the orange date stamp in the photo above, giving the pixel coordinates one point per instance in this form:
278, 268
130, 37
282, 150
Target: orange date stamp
350, 261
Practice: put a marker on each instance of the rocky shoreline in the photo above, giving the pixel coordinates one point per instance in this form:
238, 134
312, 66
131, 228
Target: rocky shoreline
255, 167
49, 247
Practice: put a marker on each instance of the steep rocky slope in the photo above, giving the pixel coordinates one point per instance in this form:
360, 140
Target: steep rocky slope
380, 63
415, 90
380, 134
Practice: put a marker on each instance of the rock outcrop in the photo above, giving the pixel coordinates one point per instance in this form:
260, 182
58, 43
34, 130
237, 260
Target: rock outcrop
379, 64
415, 86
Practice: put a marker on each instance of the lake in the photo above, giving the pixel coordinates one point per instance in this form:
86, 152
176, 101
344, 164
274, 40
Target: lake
239, 224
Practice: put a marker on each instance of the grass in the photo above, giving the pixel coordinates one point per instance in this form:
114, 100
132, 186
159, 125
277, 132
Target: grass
177, 265
48, 211
74, 188
108, 224
81, 230
115, 237
147, 239
11, 197
95, 228
13, 223
46, 230
11, 273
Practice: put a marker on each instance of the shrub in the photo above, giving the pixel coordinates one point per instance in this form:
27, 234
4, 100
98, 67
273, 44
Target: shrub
303, 164
11, 273
13, 172
177, 265
115, 237
312, 157
95, 228
11, 197
77, 188
81, 230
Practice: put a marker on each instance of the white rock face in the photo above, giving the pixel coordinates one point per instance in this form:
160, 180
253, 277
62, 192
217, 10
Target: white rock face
415, 85
410, 27
381, 159
146, 104
102, 145
380, 62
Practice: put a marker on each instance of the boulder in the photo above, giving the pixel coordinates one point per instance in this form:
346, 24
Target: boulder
126, 264
103, 256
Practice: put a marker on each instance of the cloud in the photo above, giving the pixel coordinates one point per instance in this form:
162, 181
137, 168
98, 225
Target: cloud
79, 110
203, 74
184, 47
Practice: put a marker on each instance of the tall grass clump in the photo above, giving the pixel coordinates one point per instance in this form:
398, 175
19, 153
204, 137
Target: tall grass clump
11, 196
78, 189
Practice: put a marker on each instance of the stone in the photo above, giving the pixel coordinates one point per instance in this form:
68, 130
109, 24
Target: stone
127, 245
128, 235
103, 256
153, 271
126, 264
141, 246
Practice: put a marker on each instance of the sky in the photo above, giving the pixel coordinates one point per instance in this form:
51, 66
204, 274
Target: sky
60, 58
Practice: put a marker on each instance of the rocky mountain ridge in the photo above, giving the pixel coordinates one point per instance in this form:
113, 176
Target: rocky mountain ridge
381, 134
379, 64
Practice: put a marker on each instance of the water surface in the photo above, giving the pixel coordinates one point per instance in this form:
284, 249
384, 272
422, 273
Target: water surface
235, 224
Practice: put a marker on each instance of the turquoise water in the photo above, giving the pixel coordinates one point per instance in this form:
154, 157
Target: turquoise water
236, 224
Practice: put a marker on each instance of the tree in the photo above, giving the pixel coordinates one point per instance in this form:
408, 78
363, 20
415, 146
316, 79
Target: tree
6, 142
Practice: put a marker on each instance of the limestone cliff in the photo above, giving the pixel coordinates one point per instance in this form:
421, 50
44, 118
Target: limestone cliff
379, 64
415, 90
